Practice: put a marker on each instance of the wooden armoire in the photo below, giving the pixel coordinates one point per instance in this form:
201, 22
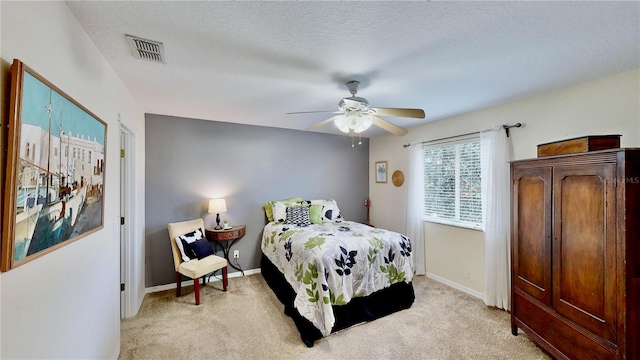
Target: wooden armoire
575, 253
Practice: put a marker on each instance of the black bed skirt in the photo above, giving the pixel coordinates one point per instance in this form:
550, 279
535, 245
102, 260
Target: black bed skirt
396, 297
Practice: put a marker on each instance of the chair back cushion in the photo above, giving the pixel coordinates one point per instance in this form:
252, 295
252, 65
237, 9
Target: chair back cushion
180, 228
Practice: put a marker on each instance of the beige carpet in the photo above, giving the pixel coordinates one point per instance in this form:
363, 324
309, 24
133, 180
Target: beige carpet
247, 322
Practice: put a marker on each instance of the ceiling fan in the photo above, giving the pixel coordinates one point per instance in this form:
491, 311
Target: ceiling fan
356, 116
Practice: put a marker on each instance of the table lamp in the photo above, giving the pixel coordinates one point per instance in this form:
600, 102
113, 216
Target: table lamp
217, 206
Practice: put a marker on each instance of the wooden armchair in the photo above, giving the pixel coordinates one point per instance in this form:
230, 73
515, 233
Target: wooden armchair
194, 268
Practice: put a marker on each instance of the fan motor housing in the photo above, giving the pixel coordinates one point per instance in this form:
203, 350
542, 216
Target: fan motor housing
354, 102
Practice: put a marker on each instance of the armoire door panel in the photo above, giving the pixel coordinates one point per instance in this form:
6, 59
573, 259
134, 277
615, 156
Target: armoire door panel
532, 260
583, 243
584, 247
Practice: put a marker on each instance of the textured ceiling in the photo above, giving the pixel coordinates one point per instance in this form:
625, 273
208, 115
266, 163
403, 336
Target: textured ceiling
252, 62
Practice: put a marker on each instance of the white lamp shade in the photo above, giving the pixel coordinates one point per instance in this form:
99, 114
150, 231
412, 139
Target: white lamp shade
217, 206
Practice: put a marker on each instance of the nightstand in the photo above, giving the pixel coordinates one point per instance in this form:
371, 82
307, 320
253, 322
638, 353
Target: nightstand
226, 238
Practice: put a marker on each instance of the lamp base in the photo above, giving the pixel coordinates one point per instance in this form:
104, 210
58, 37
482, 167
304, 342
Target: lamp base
218, 227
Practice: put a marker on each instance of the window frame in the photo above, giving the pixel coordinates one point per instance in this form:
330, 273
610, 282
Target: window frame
456, 221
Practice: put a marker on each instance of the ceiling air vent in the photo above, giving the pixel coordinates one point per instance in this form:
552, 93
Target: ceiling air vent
146, 49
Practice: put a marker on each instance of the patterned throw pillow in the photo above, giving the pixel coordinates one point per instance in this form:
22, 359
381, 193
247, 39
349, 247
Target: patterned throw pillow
183, 242
329, 211
298, 215
187, 251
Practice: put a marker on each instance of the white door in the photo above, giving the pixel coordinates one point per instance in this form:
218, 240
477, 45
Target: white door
130, 271
123, 233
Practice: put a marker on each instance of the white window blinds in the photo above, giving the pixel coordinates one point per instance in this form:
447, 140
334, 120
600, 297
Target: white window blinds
452, 183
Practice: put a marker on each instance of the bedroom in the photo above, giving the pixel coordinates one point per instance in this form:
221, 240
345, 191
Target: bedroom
67, 56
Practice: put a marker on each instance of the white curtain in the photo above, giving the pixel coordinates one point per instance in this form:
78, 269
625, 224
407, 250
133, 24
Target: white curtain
496, 189
415, 205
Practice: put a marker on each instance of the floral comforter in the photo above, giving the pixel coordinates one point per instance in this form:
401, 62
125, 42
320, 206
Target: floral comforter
331, 263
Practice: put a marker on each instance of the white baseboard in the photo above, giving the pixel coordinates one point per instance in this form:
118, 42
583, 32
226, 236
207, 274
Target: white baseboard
190, 282
456, 286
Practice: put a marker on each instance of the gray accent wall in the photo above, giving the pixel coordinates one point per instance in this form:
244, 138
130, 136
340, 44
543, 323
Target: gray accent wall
190, 161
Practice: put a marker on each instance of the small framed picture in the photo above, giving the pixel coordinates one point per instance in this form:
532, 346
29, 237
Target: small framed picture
381, 171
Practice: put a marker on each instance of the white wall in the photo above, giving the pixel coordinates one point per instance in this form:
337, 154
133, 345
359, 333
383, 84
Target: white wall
66, 304
609, 105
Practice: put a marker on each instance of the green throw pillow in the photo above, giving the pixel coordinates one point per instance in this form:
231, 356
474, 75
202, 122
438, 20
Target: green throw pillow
268, 211
315, 214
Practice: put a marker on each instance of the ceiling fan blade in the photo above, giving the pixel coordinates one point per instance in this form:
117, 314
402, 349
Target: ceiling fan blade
394, 129
399, 112
313, 112
321, 123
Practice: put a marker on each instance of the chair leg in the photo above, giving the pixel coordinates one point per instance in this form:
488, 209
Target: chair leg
204, 280
178, 284
196, 290
225, 279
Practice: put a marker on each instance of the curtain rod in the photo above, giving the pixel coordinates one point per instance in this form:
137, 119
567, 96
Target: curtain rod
505, 127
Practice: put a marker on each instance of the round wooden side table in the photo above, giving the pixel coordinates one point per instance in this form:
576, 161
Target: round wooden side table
226, 238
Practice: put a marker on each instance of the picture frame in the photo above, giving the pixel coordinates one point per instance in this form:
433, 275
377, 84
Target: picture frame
381, 171
55, 170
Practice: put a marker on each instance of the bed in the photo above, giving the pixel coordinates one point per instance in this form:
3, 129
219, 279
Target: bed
331, 273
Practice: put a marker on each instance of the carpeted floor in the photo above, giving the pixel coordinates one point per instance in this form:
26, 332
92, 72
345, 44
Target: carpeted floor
247, 322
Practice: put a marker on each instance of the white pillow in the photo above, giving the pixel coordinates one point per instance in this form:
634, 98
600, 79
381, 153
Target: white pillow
330, 211
280, 209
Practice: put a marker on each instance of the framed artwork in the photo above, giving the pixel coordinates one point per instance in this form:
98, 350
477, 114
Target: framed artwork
54, 179
381, 171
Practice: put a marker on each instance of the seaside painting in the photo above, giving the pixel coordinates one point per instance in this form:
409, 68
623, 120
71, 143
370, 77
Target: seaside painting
55, 170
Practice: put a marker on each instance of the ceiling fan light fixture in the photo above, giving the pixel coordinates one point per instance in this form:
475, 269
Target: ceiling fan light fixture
353, 120
342, 123
363, 123
358, 116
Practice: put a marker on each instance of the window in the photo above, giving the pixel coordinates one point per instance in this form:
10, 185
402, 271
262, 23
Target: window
453, 183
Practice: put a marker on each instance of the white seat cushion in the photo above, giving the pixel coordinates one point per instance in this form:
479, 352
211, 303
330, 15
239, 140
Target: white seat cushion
197, 268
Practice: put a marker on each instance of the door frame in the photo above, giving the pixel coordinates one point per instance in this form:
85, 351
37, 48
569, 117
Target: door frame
128, 196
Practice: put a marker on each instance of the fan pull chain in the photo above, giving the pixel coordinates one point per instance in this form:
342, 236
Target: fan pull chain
359, 138
352, 142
